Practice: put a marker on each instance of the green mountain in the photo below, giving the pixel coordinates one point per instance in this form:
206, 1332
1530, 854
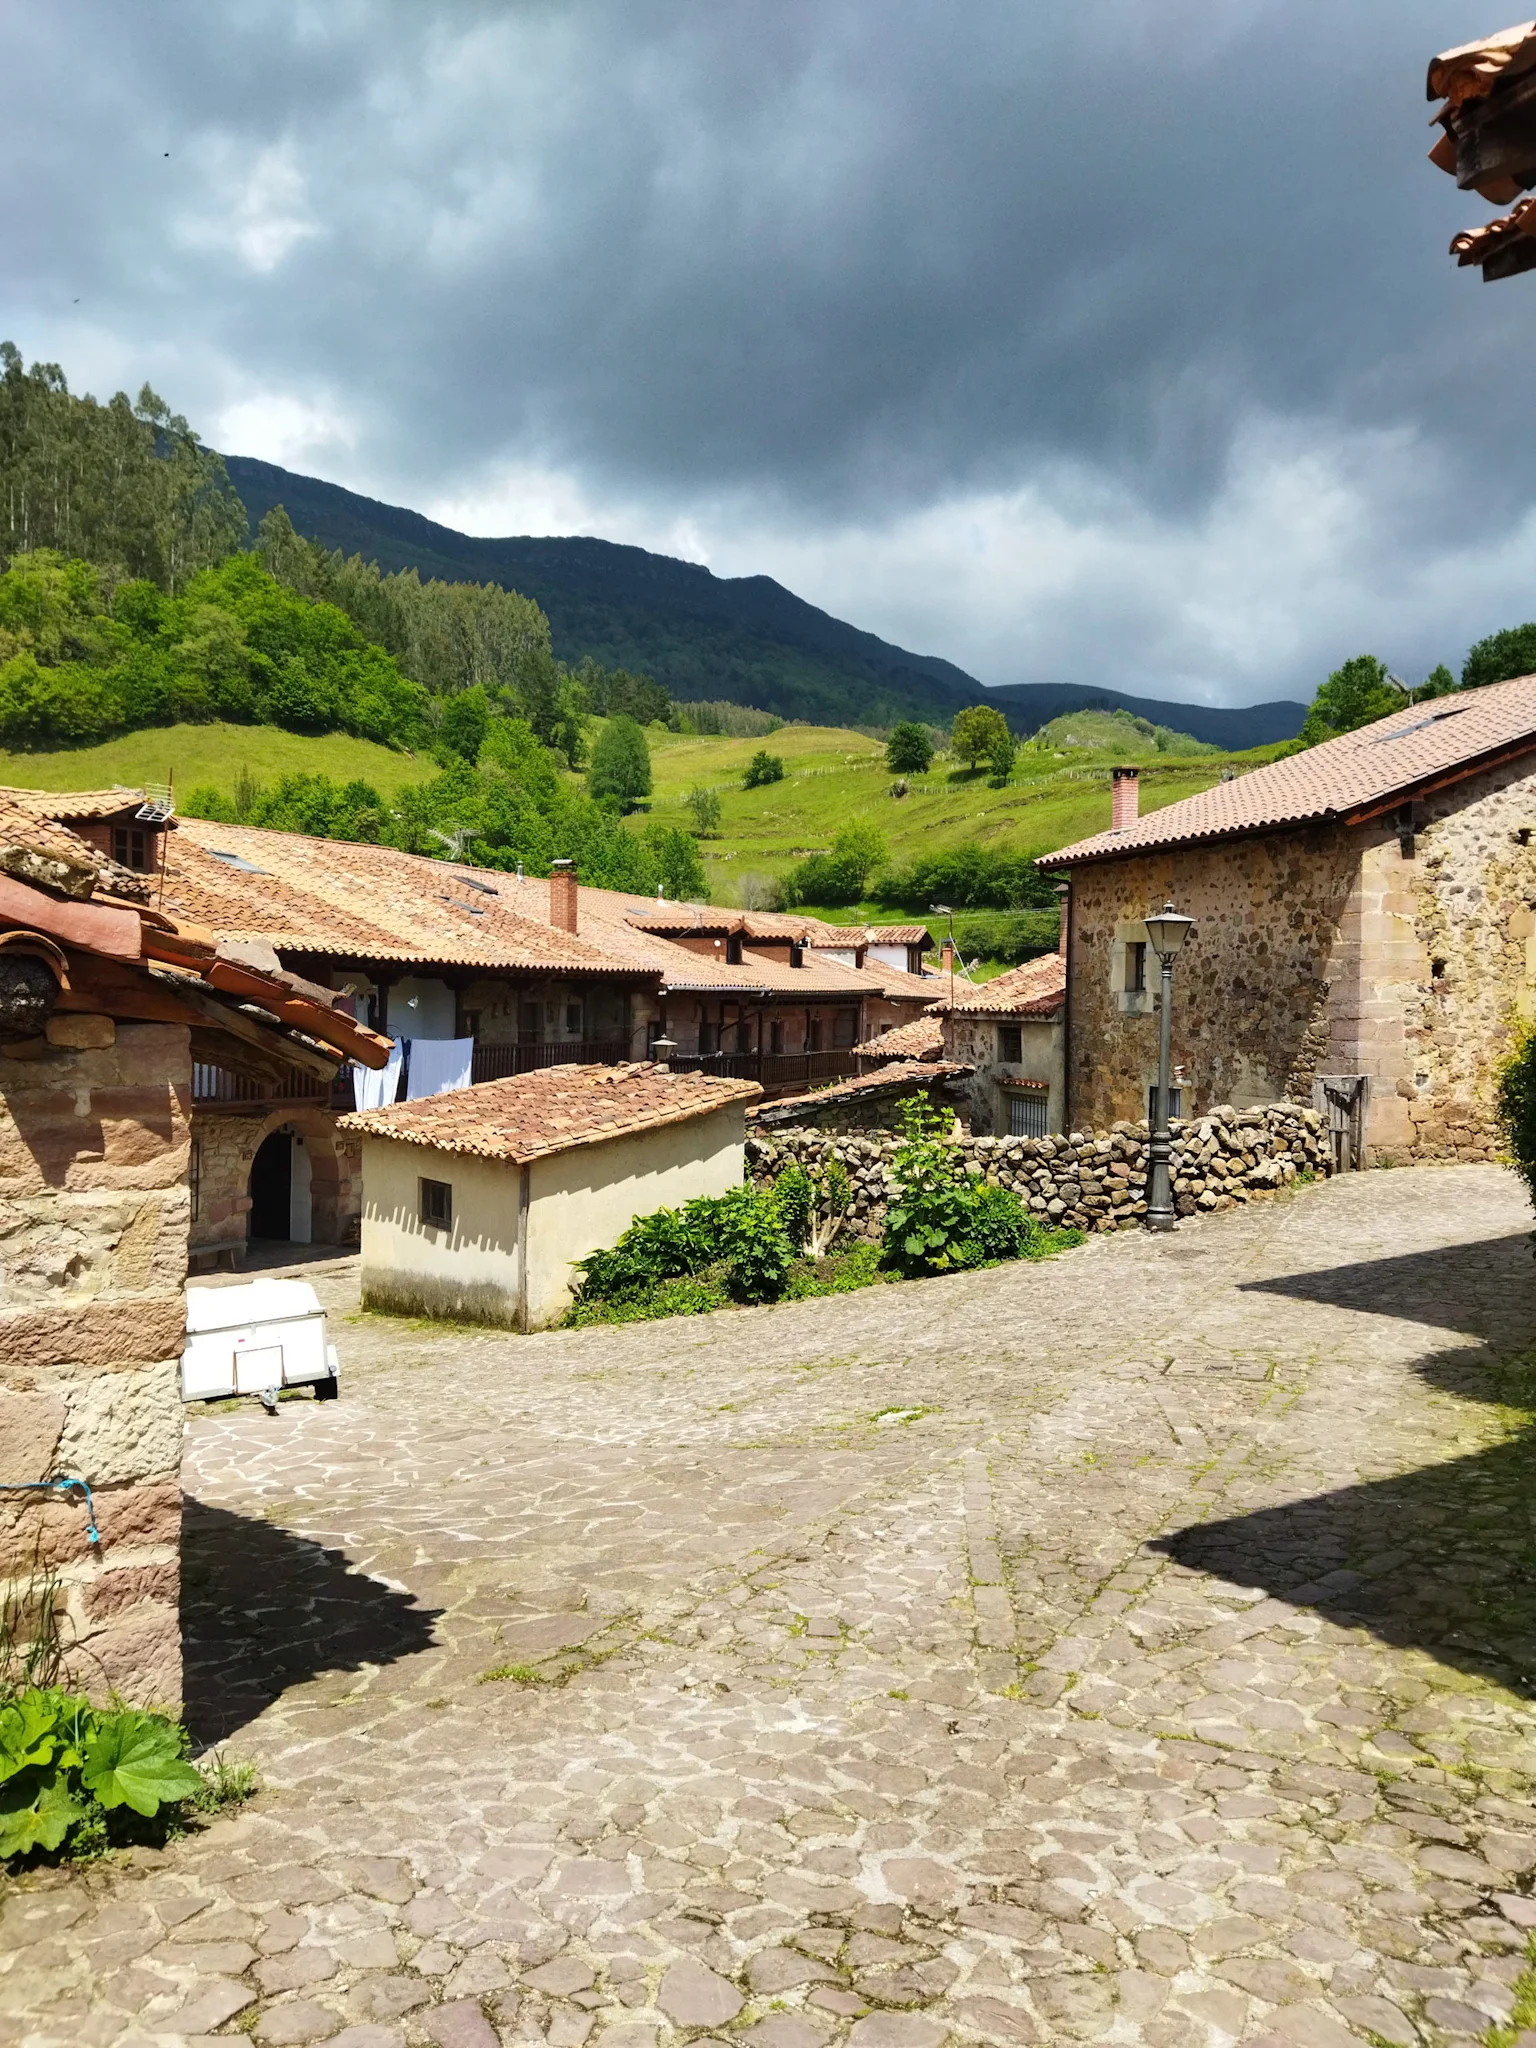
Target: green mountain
744, 638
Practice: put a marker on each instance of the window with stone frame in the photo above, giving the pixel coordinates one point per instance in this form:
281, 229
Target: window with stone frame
1136, 967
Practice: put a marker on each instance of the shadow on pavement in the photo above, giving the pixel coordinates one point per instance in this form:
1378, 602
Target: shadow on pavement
1487, 1290
1442, 1559
263, 1610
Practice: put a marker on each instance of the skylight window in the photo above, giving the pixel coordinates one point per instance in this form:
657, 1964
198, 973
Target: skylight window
234, 860
1450, 711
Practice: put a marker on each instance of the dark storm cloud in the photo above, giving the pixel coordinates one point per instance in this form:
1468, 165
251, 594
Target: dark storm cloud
845, 262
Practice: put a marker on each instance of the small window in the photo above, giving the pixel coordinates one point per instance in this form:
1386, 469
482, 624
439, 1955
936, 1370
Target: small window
1028, 1115
1010, 1044
1175, 1102
1136, 967
130, 847
437, 1204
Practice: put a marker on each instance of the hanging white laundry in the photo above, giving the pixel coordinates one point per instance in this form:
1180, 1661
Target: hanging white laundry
377, 1087
438, 1064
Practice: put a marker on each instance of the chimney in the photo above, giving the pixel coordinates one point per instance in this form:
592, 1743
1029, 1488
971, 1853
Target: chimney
947, 957
1064, 895
1127, 797
562, 895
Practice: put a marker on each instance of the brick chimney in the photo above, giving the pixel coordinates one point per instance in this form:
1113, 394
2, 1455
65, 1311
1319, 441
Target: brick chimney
947, 957
1064, 897
562, 895
1127, 798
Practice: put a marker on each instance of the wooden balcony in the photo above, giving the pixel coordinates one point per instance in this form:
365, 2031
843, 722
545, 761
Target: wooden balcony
780, 1073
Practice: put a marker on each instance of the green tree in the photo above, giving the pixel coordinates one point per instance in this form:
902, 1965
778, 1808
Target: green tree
1438, 683
1000, 757
679, 870
1500, 657
466, 720
977, 731
843, 873
909, 750
621, 764
703, 806
1356, 694
763, 768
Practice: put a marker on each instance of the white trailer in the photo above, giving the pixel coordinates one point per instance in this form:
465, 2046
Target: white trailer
256, 1339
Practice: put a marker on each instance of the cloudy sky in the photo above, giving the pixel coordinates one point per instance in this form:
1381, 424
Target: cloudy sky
1114, 343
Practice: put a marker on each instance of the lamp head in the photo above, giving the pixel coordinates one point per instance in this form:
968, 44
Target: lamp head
1167, 932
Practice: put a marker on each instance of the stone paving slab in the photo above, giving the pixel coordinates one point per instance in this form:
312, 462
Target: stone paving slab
1134, 1649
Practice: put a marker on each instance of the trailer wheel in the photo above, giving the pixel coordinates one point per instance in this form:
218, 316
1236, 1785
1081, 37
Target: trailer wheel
327, 1390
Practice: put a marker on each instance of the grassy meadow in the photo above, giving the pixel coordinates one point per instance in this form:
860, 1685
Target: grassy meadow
833, 775
214, 753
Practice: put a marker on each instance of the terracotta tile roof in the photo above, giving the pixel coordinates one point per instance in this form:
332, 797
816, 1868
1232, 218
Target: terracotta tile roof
922, 1039
885, 1080
81, 803
616, 924
530, 1115
369, 902
843, 935
1473, 69
1349, 779
1035, 989
1502, 247
898, 935
35, 849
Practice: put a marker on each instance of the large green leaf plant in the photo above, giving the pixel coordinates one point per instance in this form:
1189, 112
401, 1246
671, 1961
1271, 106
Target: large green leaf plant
68, 1769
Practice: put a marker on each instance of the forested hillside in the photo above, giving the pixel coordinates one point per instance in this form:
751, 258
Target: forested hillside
746, 638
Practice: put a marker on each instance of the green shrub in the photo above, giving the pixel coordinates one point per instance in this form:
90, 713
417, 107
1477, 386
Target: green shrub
667, 1298
927, 1226
1515, 1107
76, 1778
740, 1234
841, 1273
998, 1226
763, 768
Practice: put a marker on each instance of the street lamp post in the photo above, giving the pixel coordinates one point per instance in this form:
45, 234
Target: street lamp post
1166, 933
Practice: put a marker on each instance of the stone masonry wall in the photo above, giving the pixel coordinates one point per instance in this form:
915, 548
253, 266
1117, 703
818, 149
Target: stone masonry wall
1251, 989
1334, 950
226, 1145
1088, 1180
93, 1259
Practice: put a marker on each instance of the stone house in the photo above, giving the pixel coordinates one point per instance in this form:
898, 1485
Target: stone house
1365, 932
1010, 1033
480, 1200
106, 1003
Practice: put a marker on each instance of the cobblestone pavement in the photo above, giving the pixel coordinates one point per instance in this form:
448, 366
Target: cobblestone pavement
1134, 1649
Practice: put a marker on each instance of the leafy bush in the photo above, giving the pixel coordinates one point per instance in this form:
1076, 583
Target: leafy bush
739, 1236
74, 1776
943, 1220
928, 1224
840, 1273
840, 876
667, 1298
763, 768
1515, 1107
969, 877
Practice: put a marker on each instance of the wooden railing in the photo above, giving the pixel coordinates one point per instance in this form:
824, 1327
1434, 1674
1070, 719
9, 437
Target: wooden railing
217, 1088
496, 1062
777, 1070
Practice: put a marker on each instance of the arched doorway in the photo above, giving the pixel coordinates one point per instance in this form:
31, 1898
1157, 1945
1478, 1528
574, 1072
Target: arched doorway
282, 1190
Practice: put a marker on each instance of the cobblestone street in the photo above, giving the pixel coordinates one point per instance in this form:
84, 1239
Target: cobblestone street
1138, 1648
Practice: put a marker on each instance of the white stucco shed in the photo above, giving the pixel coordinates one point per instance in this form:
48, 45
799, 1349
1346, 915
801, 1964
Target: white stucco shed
477, 1202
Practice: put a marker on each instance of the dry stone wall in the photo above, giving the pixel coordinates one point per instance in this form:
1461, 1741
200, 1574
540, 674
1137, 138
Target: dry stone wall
1086, 1180
93, 1260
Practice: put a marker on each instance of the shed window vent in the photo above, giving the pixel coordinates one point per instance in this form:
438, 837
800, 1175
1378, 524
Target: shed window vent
437, 1204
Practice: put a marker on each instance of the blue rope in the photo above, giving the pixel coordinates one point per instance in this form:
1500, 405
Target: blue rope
92, 1533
